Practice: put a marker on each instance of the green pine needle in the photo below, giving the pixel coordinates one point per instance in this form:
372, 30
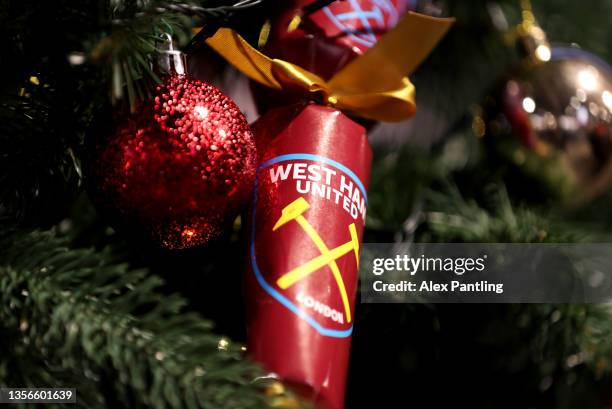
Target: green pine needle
77, 318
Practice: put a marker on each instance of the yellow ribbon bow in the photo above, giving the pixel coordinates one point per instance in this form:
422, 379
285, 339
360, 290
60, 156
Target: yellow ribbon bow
372, 86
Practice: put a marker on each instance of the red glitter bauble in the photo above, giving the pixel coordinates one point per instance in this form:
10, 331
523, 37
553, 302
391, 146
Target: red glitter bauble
181, 168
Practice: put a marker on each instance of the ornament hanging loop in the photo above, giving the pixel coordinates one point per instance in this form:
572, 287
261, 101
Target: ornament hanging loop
169, 60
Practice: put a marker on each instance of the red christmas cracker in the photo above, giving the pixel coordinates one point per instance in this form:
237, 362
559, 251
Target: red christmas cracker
310, 199
307, 221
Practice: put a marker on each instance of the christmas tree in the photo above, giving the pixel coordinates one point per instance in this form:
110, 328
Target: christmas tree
87, 304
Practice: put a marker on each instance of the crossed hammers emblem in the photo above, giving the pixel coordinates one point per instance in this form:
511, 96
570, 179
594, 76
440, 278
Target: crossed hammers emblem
294, 211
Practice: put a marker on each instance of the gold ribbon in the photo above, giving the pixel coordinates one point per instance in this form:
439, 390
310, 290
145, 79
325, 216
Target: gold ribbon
372, 86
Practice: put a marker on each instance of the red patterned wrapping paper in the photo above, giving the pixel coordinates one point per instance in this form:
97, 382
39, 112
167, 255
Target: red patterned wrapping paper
328, 39
308, 214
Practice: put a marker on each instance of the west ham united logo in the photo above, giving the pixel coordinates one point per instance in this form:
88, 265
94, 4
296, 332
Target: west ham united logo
308, 216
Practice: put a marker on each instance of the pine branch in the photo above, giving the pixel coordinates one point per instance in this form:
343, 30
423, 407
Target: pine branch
41, 115
563, 337
39, 171
450, 217
218, 13
134, 35
76, 317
